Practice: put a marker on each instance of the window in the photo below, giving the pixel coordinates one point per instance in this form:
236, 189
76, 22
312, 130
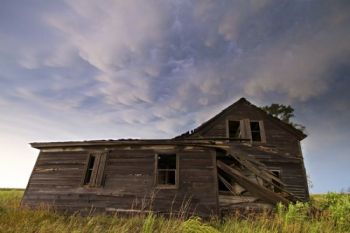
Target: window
246, 129
94, 169
277, 186
89, 170
234, 129
255, 131
166, 170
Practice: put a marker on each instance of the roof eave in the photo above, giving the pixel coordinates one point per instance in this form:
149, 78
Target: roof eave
44, 145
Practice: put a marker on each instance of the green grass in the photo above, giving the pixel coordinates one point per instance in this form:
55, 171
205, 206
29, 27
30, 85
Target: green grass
332, 215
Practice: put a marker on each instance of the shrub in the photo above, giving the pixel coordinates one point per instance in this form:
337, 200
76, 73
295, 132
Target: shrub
293, 212
338, 207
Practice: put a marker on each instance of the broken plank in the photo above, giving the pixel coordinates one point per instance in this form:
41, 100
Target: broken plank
255, 189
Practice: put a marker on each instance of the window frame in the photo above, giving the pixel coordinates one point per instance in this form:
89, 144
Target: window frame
228, 129
245, 129
97, 176
261, 129
279, 177
177, 173
255, 131
88, 170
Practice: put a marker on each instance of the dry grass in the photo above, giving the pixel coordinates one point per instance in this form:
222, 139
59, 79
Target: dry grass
333, 216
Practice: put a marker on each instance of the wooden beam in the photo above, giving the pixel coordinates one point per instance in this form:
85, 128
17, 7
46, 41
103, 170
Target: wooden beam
260, 171
255, 189
227, 184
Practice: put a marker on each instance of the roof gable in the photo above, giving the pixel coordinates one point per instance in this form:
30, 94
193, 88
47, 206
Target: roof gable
296, 132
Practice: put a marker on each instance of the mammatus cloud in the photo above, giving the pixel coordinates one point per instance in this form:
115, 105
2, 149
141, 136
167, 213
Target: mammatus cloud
179, 57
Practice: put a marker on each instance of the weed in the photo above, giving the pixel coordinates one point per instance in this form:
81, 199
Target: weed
332, 216
148, 224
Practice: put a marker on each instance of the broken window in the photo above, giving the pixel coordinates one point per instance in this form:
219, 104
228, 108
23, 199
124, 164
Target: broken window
166, 170
94, 170
89, 170
255, 131
234, 129
277, 186
246, 129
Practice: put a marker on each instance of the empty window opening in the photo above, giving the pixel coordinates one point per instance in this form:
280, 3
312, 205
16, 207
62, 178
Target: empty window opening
89, 170
234, 129
255, 130
277, 186
94, 170
166, 169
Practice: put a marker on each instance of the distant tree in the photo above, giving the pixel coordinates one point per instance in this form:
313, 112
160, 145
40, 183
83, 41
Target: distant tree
284, 113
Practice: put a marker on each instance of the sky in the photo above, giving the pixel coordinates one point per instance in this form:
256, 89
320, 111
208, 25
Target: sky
110, 69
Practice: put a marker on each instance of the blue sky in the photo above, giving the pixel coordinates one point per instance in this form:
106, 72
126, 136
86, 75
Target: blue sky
81, 69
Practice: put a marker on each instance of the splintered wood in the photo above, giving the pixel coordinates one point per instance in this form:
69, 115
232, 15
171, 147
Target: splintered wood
262, 190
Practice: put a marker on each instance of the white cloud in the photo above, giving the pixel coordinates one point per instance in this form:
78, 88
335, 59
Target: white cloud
29, 59
109, 34
115, 37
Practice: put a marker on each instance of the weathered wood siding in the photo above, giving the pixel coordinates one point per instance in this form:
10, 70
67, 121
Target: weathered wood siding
277, 138
128, 183
58, 170
281, 141
292, 173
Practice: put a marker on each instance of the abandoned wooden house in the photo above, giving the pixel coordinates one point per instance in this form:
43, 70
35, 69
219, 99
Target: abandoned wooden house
242, 158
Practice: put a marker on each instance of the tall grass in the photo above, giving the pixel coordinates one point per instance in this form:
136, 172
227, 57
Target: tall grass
329, 213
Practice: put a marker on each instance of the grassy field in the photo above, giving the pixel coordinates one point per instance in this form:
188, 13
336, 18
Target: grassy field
332, 215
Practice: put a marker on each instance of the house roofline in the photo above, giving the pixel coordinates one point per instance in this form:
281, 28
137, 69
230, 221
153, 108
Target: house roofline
134, 142
110, 142
298, 133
